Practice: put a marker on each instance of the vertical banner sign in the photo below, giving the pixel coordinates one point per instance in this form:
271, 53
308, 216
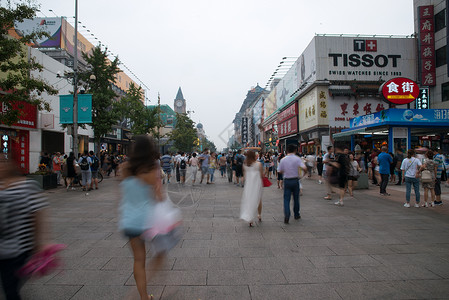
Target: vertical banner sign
244, 130
423, 100
85, 108
426, 37
447, 36
66, 109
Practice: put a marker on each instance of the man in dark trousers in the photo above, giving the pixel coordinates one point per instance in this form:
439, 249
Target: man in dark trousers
384, 160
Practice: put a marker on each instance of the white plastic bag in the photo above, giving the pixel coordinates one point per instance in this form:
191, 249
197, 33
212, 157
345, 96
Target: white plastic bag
164, 232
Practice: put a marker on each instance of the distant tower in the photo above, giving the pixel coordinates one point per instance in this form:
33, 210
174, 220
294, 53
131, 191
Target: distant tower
180, 103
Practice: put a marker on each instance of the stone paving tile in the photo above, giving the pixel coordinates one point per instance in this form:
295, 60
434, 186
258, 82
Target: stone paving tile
90, 277
60, 292
84, 263
384, 273
420, 259
108, 251
245, 277
101, 292
293, 292
189, 252
206, 292
215, 263
272, 263
322, 275
126, 264
343, 261
174, 277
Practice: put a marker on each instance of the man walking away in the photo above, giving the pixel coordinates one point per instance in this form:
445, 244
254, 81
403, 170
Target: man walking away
182, 162
289, 168
85, 162
204, 160
238, 160
94, 170
384, 160
166, 162
342, 164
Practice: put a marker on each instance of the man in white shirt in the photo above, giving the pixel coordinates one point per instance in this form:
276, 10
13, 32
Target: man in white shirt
289, 168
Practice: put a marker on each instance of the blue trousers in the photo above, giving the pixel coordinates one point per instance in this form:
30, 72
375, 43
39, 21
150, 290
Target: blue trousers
291, 186
408, 188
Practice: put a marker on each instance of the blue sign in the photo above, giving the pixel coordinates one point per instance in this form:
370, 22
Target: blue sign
84, 108
404, 116
66, 109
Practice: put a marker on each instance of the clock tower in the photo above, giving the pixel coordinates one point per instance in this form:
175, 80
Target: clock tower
180, 103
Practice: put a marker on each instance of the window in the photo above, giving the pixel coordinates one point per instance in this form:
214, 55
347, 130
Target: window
445, 91
441, 57
440, 20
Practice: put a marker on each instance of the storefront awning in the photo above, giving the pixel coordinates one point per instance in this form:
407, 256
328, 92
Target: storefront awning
349, 133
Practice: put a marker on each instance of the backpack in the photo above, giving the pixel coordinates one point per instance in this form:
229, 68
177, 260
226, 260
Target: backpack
239, 160
95, 163
182, 164
84, 165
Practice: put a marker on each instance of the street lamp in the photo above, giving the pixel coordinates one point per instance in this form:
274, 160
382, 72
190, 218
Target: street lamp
75, 85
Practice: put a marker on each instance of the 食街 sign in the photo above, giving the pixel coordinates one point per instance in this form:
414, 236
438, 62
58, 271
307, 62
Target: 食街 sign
423, 101
400, 90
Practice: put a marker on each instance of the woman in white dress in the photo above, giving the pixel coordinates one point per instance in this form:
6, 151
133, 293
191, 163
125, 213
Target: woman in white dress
251, 205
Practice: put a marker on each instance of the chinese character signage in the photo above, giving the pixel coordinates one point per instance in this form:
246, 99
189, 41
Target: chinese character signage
423, 101
288, 127
244, 130
426, 36
288, 113
400, 90
28, 113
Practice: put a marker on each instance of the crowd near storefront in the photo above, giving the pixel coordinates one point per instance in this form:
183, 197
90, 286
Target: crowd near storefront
333, 92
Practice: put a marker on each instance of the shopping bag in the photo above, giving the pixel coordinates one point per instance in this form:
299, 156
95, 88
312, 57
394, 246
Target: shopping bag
43, 262
266, 182
165, 229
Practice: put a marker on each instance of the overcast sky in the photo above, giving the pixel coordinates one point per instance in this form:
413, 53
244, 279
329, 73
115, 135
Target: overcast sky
217, 50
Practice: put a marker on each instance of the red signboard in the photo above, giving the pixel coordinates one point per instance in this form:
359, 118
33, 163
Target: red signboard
400, 90
288, 113
288, 127
426, 37
28, 117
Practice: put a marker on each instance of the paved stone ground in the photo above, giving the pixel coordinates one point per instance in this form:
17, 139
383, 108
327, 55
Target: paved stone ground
372, 248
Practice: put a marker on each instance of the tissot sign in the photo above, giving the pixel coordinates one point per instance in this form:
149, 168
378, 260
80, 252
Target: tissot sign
400, 90
370, 58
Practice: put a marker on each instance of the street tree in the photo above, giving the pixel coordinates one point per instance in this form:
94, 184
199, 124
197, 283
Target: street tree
17, 84
141, 118
184, 133
104, 116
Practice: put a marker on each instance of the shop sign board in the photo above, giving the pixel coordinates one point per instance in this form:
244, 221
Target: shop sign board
426, 36
288, 127
288, 113
314, 109
365, 58
400, 90
423, 100
244, 130
403, 116
50, 25
28, 114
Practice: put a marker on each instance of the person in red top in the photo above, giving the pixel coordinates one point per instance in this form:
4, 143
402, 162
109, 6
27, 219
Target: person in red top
57, 163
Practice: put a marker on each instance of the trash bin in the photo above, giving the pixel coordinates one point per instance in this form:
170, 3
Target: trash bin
362, 182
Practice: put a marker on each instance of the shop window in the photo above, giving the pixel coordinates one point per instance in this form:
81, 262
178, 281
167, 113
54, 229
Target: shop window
441, 57
440, 20
445, 91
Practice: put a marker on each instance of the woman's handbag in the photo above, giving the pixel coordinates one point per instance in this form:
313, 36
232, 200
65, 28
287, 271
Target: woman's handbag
266, 182
426, 176
165, 229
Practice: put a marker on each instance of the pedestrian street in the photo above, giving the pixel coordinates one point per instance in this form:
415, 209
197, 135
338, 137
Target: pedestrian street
372, 248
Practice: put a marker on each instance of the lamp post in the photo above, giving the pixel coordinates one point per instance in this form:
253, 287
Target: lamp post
75, 85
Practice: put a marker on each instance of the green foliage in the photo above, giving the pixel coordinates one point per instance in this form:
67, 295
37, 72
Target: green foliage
15, 66
143, 119
208, 144
104, 116
184, 133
